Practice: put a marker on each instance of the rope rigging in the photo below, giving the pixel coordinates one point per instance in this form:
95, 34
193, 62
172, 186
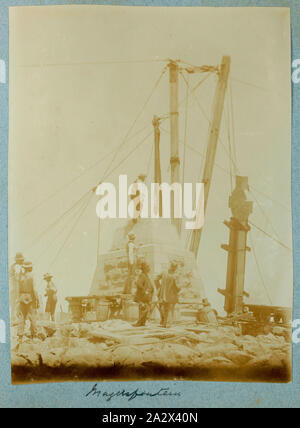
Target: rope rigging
107, 172
60, 231
227, 172
136, 118
193, 90
270, 236
220, 139
108, 62
71, 231
115, 151
128, 155
259, 270
237, 171
185, 124
65, 185
232, 128
92, 189
92, 166
57, 220
233, 158
229, 148
248, 83
265, 215
149, 163
189, 93
258, 228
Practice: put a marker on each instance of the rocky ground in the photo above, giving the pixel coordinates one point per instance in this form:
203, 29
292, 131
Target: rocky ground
115, 350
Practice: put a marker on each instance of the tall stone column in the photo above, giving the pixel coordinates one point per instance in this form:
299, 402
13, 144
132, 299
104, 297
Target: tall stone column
236, 263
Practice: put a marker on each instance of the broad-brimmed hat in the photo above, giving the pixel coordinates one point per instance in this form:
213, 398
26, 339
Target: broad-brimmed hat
142, 177
48, 276
27, 265
19, 257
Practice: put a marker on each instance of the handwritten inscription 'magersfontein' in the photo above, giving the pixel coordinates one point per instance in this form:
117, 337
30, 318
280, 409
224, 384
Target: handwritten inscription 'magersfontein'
130, 395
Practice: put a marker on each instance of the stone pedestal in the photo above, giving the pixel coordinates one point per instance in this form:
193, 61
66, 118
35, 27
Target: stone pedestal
157, 243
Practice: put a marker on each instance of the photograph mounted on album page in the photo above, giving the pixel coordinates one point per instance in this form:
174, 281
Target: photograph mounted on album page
149, 224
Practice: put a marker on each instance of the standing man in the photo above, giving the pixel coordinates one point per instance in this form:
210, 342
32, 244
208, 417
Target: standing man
16, 272
51, 294
131, 261
144, 294
168, 293
28, 301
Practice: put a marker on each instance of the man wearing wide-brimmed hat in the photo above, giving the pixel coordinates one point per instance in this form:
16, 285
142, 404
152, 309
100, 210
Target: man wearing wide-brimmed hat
17, 266
51, 294
28, 300
15, 273
144, 294
19, 258
168, 293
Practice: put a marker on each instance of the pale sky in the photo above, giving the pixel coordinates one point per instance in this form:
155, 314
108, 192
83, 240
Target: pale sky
79, 75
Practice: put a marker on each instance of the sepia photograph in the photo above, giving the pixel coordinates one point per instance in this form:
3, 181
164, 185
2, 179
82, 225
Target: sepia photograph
149, 194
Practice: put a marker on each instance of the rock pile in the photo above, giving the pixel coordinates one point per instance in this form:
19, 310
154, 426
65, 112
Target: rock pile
116, 343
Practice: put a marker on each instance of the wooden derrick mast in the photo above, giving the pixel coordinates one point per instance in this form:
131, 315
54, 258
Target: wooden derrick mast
214, 130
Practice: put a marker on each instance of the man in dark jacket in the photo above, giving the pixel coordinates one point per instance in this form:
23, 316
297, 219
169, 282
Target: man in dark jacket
167, 293
16, 273
144, 294
28, 301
